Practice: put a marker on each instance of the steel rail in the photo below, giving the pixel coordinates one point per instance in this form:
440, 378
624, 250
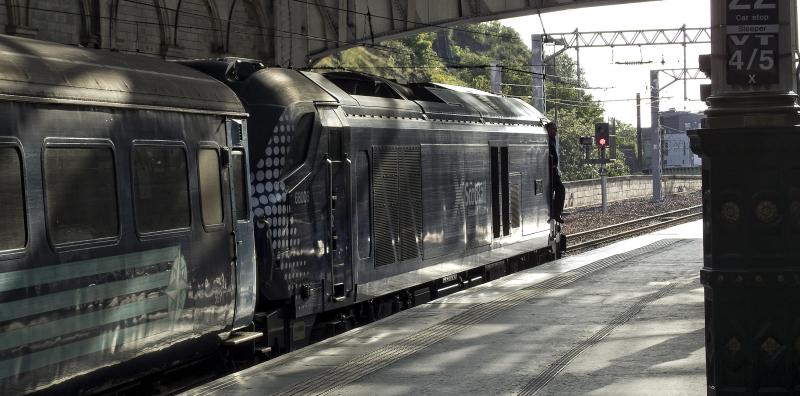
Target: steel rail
640, 220
622, 234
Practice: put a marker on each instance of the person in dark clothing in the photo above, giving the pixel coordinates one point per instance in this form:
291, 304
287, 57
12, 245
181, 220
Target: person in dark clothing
558, 193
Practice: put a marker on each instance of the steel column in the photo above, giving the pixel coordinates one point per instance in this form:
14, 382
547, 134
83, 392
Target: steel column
655, 135
495, 78
537, 68
639, 157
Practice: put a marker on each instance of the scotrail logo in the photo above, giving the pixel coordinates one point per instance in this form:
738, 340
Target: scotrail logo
474, 193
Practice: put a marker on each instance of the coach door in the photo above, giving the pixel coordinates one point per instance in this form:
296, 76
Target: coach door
338, 181
501, 205
242, 247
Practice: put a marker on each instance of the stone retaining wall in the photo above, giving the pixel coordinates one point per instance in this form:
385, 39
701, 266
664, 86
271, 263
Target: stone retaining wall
587, 192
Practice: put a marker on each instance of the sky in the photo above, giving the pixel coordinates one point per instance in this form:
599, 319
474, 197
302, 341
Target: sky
620, 82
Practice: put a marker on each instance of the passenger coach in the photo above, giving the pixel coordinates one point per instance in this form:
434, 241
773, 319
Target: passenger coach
124, 216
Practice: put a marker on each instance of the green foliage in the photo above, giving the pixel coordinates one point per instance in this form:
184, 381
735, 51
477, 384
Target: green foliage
617, 167
491, 41
626, 134
462, 59
576, 113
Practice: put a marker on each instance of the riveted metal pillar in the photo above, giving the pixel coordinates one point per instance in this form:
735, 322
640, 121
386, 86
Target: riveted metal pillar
751, 200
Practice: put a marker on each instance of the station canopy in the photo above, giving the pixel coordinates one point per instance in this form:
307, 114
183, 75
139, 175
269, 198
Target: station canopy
327, 26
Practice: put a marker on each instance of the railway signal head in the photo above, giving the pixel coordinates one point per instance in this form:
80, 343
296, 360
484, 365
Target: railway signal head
601, 134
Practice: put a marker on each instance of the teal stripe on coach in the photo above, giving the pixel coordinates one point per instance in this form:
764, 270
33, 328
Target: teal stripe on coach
72, 324
59, 272
70, 298
77, 349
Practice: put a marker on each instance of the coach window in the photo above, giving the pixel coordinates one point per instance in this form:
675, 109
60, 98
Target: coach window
210, 185
364, 208
81, 190
160, 188
13, 234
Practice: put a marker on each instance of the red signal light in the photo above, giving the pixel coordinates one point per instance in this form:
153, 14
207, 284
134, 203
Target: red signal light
601, 134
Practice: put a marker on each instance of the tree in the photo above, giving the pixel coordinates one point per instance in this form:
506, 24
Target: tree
617, 167
626, 134
575, 112
474, 47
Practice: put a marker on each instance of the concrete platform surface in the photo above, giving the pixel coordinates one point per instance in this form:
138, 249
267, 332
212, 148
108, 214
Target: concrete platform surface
625, 319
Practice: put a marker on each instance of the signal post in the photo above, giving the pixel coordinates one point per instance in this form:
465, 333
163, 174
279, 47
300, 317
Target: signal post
751, 200
602, 139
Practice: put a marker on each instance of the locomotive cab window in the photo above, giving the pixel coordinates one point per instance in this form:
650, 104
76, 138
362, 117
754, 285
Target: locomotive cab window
298, 149
81, 193
13, 234
210, 185
160, 188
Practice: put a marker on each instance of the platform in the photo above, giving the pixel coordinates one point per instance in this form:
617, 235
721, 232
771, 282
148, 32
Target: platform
623, 319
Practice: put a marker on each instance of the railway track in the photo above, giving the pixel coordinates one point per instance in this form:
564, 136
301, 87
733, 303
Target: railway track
581, 241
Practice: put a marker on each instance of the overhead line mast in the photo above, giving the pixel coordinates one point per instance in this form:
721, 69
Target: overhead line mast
620, 38
609, 39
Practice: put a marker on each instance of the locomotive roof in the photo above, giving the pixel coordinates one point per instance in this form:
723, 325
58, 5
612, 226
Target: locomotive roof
38, 71
363, 94
437, 101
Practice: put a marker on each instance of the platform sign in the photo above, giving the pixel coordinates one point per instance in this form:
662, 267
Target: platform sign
752, 42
